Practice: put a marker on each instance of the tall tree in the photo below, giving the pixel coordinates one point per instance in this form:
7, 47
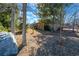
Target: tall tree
55, 10
50, 11
12, 19
6, 13
24, 25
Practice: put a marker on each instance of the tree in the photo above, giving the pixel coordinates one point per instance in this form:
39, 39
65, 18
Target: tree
24, 25
55, 10
6, 13
12, 19
50, 13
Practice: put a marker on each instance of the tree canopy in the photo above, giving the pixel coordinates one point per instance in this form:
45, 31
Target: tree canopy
5, 15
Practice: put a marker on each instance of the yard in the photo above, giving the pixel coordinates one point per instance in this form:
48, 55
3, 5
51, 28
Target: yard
48, 43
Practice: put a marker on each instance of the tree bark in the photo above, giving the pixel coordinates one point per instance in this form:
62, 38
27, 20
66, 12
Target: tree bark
12, 20
61, 19
73, 24
74, 21
24, 25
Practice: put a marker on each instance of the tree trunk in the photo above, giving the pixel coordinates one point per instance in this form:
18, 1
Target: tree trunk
24, 25
73, 24
61, 19
74, 21
12, 20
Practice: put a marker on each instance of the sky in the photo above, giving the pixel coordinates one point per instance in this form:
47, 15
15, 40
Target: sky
32, 17
70, 11
30, 14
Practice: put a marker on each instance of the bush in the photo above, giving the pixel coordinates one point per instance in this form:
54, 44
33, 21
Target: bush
2, 28
47, 28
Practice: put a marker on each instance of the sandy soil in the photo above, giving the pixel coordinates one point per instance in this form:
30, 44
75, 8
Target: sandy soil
31, 43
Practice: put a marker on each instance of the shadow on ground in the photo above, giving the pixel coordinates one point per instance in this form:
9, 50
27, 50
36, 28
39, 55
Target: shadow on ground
50, 44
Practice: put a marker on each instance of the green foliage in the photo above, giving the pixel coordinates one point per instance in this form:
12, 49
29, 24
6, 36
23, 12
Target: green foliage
45, 21
1, 27
46, 10
5, 16
4, 20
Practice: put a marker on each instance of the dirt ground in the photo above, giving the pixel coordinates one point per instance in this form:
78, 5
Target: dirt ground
31, 43
44, 43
